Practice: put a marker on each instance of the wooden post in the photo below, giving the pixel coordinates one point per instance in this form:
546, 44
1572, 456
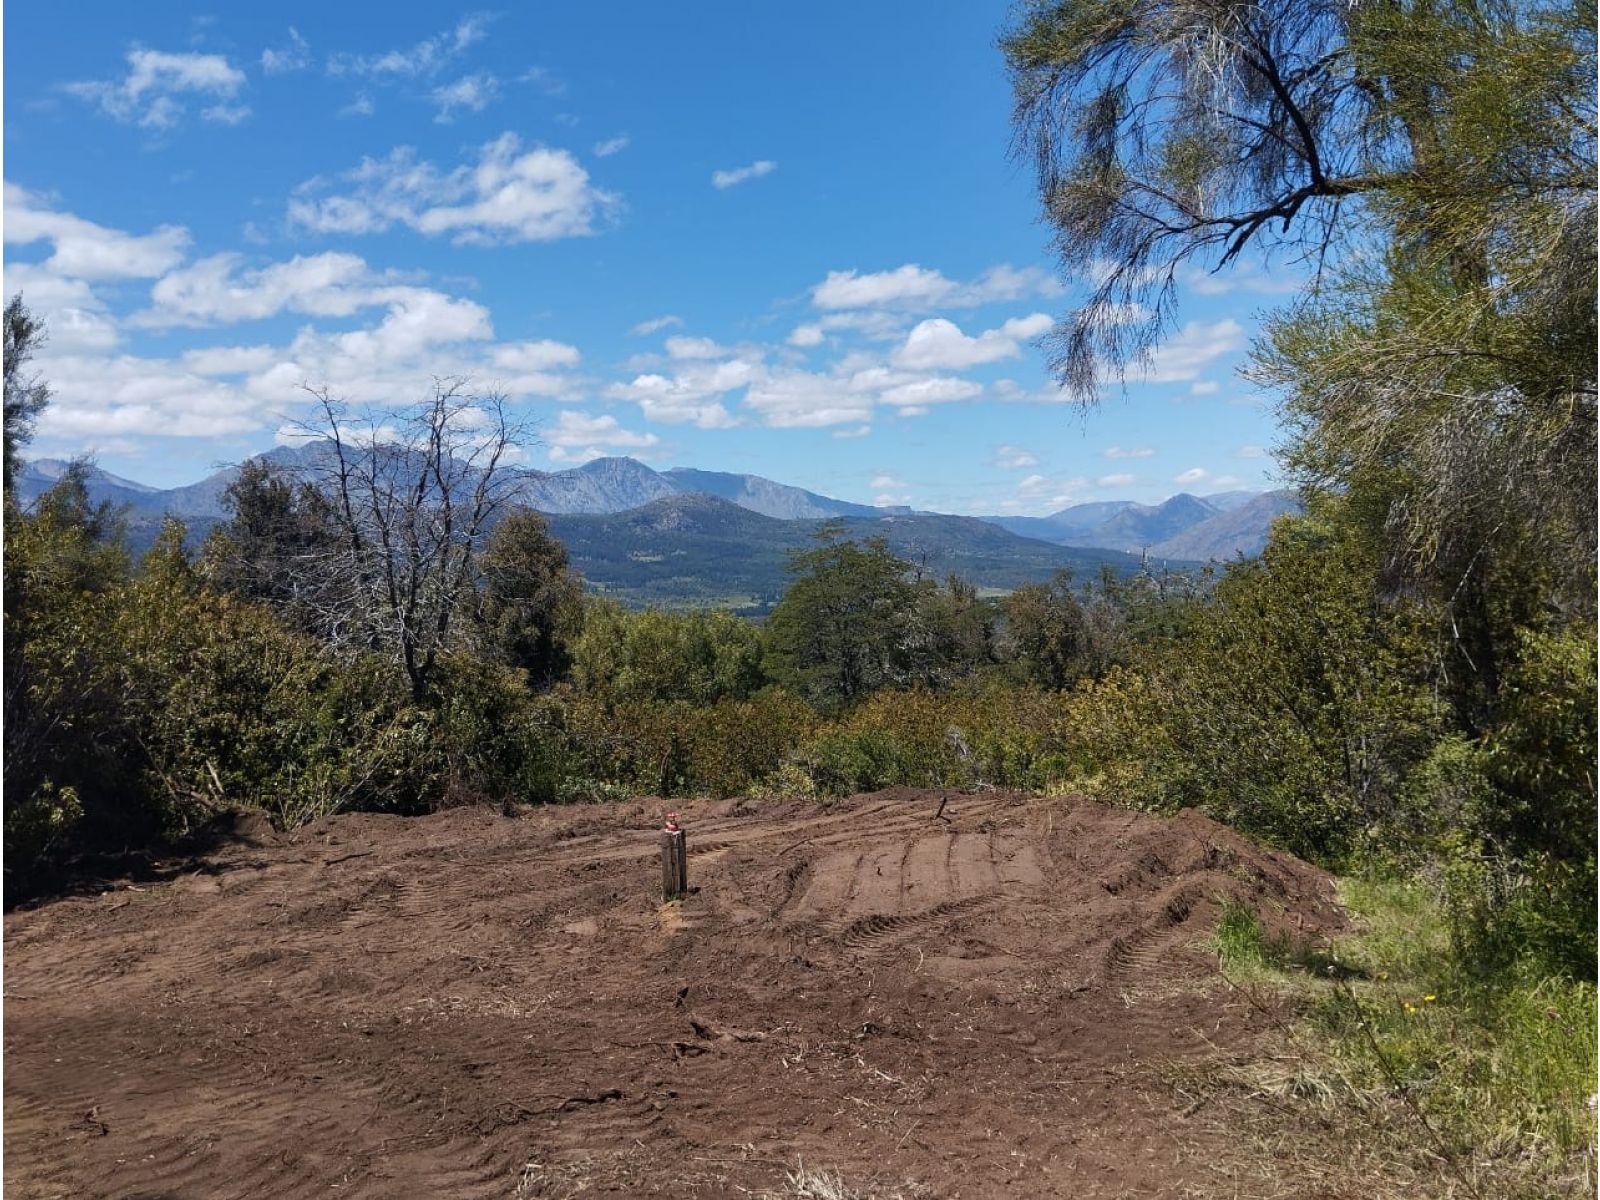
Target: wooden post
674, 864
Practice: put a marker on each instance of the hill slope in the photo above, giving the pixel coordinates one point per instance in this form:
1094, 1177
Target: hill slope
1242, 530
699, 549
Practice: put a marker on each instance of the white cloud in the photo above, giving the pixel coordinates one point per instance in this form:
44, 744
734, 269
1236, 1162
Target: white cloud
73, 316
1252, 452
148, 95
226, 114
1014, 458
655, 325
693, 348
361, 106
43, 288
922, 392
471, 92
215, 291
1115, 480
803, 400
938, 344
508, 195
918, 288
96, 397
542, 355
690, 395
547, 82
806, 336
578, 437
886, 480
1237, 278
296, 56
1192, 475
225, 390
1206, 387
1136, 452
1008, 283
860, 431
84, 250
229, 360
611, 146
1195, 348
908, 284
728, 179
1042, 492
427, 57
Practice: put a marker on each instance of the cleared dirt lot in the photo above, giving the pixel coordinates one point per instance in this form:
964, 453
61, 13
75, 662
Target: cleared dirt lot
469, 1004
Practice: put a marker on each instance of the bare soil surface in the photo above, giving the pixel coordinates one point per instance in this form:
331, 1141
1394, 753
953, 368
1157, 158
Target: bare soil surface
983, 1003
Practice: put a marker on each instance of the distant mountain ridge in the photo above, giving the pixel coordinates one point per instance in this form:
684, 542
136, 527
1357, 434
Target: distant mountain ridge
1183, 527
685, 534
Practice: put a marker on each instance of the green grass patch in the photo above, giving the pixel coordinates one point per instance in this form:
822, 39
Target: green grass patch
1422, 1073
1495, 1068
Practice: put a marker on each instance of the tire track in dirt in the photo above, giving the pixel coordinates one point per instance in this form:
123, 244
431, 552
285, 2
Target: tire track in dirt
383, 1007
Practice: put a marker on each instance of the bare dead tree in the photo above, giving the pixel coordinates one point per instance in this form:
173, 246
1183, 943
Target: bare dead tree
412, 496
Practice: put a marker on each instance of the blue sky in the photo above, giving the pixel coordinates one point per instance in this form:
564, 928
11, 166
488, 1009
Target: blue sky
733, 236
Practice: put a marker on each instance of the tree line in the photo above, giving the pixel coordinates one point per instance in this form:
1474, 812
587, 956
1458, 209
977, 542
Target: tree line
384, 629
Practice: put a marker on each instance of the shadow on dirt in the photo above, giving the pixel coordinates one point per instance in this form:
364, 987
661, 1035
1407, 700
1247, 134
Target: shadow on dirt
200, 851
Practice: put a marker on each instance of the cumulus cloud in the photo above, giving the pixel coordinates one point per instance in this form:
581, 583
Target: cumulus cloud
151, 94
938, 344
1136, 452
1114, 480
1014, 458
578, 437
510, 194
543, 355
887, 480
915, 287
806, 336
94, 397
216, 290
84, 250
908, 284
728, 179
920, 393
296, 56
804, 400
1192, 475
426, 57
471, 92
691, 395
694, 348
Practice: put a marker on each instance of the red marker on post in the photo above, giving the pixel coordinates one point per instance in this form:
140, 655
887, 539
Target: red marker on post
674, 860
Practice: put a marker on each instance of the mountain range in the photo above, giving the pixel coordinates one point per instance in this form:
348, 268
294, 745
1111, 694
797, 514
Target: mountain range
686, 536
1181, 528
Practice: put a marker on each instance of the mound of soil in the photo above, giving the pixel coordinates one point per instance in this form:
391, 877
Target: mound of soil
974, 1003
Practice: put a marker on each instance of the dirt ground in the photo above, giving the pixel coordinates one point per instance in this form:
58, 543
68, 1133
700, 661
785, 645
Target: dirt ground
983, 1003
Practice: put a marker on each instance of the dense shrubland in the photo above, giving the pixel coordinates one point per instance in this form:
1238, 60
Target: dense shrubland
1290, 696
